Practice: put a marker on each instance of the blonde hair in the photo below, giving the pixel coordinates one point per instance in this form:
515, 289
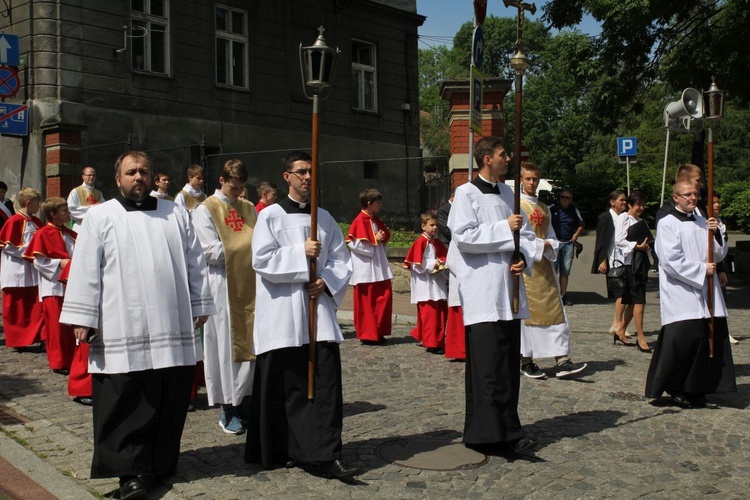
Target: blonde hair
26, 195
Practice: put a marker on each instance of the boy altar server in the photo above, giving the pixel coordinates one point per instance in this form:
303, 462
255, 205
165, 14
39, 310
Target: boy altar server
429, 287
288, 425
224, 224
371, 274
50, 250
481, 256
545, 333
192, 194
138, 280
22, 312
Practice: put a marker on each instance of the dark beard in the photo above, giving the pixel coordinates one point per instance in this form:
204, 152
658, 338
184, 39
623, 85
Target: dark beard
133, 196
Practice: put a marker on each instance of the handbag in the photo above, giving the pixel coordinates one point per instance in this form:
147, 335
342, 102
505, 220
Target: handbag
617, 272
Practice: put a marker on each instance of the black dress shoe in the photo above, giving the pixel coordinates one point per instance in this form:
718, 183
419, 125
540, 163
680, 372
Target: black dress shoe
435, 350
335, 469
681, 400
699, 401
132, 489
62, 371
525, 443
84, 401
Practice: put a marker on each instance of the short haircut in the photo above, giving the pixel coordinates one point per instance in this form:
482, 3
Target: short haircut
685, 170
266, 187
486, 146
159, 176
3, 185
234, 169
136, 154
83, 170
26, 195
531, 167
426, 217
369, 195
636, 198
50, 206
295, 156
194, 170
679, 182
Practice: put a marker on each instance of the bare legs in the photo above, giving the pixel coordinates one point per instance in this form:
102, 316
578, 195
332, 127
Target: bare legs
623, 315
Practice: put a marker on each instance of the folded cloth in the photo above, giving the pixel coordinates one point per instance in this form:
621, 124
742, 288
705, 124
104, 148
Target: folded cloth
578, 248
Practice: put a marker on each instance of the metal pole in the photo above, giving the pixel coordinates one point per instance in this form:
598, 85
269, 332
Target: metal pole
664, 174
313, 261
627, 169
471, 154
517, 189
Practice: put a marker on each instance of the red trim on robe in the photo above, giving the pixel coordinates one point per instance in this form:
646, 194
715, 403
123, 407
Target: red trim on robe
48, 241
13, 229
416, 251
361, 229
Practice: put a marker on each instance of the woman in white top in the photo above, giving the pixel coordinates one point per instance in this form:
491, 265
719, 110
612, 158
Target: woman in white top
633, 241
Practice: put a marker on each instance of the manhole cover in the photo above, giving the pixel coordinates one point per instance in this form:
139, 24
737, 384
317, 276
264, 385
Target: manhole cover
9, 417
431, 454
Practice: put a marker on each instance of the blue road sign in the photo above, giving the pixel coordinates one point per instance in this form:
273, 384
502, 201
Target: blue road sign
14, 119
477, 47
627, 146
9, 81
9, 54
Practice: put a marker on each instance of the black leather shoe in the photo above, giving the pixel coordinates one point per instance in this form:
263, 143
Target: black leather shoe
335, 469
525, 443
681, 400
699, 401
132, 489
62, 371
84, 401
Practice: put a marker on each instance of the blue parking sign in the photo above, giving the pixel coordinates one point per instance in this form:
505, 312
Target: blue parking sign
9, 53
14, 119
627, 146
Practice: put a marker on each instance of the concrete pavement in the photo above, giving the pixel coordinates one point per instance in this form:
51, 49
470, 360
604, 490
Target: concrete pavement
599, 438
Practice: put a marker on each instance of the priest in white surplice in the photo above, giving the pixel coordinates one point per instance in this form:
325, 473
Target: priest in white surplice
286, 425
681, 365
545, 333
224, 224
138, 280
83, 197
481, 257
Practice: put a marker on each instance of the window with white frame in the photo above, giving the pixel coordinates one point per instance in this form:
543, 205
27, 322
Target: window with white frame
150, 35
364, 76
231, 47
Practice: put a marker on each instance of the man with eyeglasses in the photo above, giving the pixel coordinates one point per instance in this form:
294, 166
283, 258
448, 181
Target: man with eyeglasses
568, 224
681, 365
83, 197
224, 225
286, 426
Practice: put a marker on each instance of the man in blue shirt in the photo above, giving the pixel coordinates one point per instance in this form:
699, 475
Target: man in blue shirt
568, 224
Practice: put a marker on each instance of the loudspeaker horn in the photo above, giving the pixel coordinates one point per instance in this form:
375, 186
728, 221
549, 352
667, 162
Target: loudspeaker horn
687, 108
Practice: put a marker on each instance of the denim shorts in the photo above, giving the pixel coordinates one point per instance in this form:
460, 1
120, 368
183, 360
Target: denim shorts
564, 258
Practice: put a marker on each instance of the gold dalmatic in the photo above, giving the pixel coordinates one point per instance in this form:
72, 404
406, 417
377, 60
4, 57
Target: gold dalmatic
191, 202
235, 222
86, 197
545, 307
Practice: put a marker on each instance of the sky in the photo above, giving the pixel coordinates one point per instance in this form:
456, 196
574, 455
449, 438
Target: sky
445, 17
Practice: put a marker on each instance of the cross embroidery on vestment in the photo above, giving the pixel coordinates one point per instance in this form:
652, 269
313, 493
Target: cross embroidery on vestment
234, 220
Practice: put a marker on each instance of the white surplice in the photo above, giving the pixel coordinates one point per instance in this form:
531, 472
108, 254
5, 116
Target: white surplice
369, 262
139, 278
682, 248
227, 382
78, 211
15, 271
425, 285
481, 251
282, 270
49, 270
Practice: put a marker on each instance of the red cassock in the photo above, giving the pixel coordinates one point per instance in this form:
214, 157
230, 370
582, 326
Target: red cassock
60, 342
455, 334
22, 312
79, 380
432, 315
373, 302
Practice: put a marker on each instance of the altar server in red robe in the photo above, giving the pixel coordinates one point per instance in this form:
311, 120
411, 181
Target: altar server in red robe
22, 311
371, 277
50, 250
429, 286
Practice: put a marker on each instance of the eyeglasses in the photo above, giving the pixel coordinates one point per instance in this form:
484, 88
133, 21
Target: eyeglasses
687, 196
302, 172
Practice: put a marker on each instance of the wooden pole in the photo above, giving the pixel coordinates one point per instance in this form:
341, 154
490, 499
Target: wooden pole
517, 190
710, 213
313, 261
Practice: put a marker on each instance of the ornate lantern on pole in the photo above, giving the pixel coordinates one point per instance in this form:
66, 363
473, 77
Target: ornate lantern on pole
317, 65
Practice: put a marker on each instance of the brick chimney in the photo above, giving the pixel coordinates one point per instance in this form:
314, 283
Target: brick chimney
457, 93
